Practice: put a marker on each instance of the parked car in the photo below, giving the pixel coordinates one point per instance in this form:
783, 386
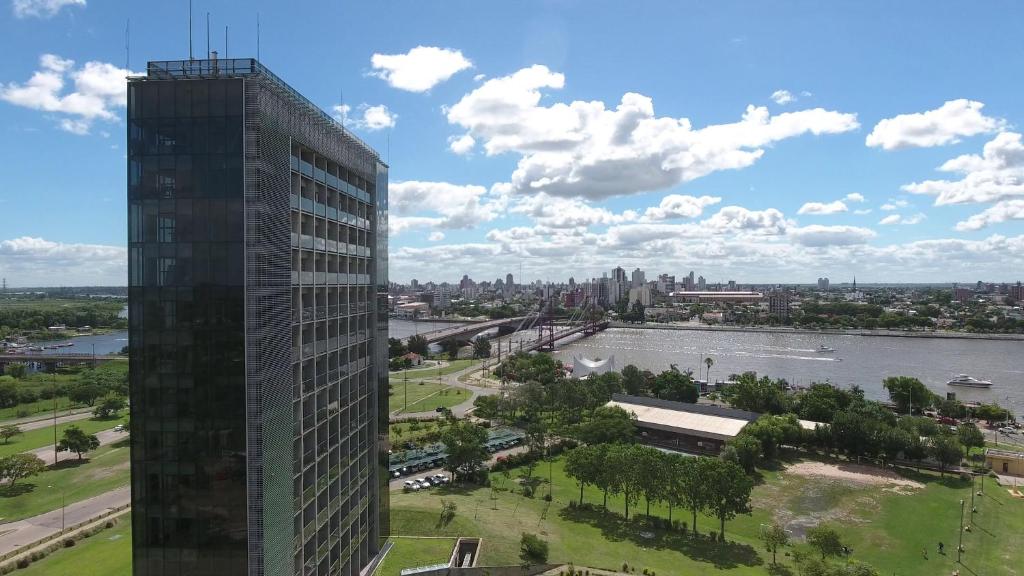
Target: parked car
411, 485
439, 479
425, 482
119, 428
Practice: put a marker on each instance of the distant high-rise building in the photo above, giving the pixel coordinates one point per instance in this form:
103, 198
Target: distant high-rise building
732, 285
823, 284
510, 285
257, 274
778, 303
638, 278
1016, 292
701, 284
414, 284
666, 283
641, 294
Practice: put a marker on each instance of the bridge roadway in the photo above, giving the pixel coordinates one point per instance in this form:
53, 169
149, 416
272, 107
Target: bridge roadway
469, 329
45, 358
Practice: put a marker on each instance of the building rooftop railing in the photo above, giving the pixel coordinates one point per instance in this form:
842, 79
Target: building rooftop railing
238, 68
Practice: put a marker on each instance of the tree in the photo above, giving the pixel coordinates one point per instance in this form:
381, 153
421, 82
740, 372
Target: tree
946, 449
825, 540
486, 406
418, 344
86, 393
583, 465
450, 347
467, 452
622, 461
16, 370
9, 431
633, 380
908, 393
652, 477
8, 393
609, 425
968, 433
75, 440
674, 385
109, 406
774, 537
709, 362
894, 442
481, 348
532, 550
743, 450
729, 491
396, 348
763, 396
20, 466
694, 485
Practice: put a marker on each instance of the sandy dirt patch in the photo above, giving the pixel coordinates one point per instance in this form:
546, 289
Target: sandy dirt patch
853, 473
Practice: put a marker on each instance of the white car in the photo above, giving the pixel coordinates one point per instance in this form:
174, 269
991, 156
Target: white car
411, 485
425, 482
1008, 430
439, 479
119, 428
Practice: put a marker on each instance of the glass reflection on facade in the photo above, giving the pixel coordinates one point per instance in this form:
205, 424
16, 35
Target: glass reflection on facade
257, 255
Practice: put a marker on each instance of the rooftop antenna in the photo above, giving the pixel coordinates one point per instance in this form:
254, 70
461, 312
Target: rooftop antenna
341, 107
127, 44
190, 31
257, 35
225, 42
207, 35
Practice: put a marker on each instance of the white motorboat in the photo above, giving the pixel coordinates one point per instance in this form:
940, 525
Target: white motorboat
968, 381
825, 349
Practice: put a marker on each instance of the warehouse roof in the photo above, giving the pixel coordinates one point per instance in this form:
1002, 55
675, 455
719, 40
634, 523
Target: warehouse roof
702, 420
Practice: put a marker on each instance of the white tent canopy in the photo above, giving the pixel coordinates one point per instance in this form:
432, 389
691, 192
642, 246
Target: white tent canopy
582, 367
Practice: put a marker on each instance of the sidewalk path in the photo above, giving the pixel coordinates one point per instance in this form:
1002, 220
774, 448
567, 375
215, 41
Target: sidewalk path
105, 437
14, 535
35, 422
458, 410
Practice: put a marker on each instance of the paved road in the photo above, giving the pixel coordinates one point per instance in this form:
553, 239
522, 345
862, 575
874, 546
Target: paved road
14, 535
105, 437
35, 423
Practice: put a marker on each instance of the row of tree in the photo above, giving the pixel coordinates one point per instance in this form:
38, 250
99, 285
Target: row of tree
699, 484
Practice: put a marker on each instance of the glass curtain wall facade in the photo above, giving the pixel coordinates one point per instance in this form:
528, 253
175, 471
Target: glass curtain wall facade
257, 259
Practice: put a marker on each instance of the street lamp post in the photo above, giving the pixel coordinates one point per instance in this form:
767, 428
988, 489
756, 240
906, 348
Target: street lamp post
61, 509
960, 545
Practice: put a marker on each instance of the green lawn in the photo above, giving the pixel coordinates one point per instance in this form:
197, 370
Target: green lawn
403, 432
39, 408
412, 552
102, 471
453, 366
41, 437
884, 526
108, 553
424, 396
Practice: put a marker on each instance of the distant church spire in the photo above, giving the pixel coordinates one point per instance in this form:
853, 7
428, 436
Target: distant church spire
854, 282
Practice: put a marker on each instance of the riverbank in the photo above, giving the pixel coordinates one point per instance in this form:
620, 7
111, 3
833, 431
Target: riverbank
824, 331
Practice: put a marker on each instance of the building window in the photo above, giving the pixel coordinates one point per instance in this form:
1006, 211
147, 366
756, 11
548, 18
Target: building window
165, 183
166, 229
165, 271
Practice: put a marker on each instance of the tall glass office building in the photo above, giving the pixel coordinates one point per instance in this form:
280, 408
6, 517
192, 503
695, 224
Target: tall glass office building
257, 240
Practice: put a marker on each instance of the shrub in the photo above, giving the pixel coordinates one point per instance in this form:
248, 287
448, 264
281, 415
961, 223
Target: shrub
69, 542
23, 562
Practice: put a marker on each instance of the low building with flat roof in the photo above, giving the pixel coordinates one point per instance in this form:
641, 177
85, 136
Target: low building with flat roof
702, 428
1005, 462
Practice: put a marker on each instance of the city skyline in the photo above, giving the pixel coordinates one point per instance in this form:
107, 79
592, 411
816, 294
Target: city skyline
763, 144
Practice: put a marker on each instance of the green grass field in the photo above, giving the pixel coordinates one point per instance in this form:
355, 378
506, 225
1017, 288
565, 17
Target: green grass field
39, 409
44, 436
885, 526
411, 552
424, 396
452, 367
108, 553
103, 470
403, 432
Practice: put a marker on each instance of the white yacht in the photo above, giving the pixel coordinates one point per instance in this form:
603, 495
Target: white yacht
825, 349
968, 381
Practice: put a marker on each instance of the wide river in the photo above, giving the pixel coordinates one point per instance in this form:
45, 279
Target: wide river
861, 360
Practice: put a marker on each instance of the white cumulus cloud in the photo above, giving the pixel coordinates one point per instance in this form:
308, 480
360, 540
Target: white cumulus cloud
1000, 212
584, 149
100, 90
855, 197
366, 117
35, 261
817, 235
944, 125
996, 175
419, 69
783, 97
823, 208
41, 8
461, 144
680, 206
441, 204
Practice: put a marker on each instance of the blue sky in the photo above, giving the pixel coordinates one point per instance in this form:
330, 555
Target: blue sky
755, 141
